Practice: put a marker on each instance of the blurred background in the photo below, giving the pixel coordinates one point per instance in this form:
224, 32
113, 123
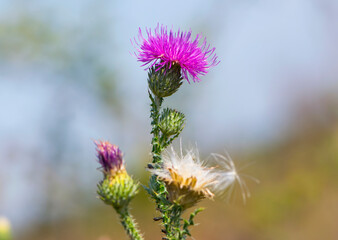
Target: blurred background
68, 76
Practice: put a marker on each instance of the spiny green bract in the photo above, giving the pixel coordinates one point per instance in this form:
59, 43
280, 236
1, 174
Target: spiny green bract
164, 82
171, 122
117, 190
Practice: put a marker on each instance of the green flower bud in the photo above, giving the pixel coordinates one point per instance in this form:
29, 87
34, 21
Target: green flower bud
164, 82
171, 122
117, 190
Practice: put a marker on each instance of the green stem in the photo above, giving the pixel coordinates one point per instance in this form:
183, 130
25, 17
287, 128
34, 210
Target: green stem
156, 103
171, 214
129, 225
173, 224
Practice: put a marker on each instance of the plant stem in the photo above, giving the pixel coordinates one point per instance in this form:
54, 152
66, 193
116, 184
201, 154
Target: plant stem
156, 103
129, 225
171, 214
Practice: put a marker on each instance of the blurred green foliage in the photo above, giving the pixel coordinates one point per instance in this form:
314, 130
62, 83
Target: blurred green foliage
72, 54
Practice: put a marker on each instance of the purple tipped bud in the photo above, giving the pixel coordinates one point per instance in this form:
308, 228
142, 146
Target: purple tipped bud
110, 156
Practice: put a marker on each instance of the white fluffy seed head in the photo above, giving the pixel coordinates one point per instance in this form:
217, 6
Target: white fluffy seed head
229, 176
187, 171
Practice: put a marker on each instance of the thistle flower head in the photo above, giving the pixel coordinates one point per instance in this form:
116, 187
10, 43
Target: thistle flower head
165, 49
109, 156
188, 179
117, 188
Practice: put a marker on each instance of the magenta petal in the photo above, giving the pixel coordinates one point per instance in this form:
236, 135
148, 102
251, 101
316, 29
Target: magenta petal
176, 47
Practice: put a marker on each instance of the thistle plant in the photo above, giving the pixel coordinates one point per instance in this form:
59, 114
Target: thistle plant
117, 188
178, 180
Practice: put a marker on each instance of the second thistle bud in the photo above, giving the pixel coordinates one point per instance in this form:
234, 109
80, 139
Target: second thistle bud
171, 122
110, 157
165, 81
117, 188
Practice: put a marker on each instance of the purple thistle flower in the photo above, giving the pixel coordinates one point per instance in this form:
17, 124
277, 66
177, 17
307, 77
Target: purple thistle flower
110, 156
166, 49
